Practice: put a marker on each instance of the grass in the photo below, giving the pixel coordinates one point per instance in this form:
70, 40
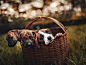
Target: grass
77, 45
76, 54
8, 55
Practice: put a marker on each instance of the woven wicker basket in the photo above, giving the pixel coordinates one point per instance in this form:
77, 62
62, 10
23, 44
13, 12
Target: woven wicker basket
54, 52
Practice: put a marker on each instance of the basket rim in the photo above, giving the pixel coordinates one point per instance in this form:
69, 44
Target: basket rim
53, 19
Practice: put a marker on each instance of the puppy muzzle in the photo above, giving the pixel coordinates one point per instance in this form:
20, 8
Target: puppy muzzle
49, 38
12, 44
29, 44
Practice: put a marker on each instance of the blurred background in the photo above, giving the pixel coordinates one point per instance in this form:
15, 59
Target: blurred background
16, 14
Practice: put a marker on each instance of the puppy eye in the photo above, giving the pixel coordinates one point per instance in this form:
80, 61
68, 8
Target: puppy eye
41, 37
23, 39
30, 37
11, 37
48, 32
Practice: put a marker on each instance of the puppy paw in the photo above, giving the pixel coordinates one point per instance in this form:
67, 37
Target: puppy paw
59, 34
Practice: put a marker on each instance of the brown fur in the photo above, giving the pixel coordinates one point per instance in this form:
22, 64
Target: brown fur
25, 37
12, 37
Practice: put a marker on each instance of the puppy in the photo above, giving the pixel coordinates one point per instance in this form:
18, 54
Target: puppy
45, 36
12, 37
27, 38
39, 39
48, 37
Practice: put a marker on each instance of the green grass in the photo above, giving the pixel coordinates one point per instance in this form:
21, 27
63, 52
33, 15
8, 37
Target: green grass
76, 54
8, 55
77, 45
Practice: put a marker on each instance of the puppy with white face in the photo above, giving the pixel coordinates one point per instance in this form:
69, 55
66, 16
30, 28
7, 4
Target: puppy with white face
27, 38
48, 37
45, 35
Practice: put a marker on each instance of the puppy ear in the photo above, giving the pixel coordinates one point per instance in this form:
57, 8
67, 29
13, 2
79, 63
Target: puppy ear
37, 44
41, 37
47, 31
34, 34
20, 36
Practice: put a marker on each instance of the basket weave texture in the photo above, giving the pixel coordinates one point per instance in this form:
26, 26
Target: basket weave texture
55, 51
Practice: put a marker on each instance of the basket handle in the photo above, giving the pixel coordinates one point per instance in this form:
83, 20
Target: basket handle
54, 20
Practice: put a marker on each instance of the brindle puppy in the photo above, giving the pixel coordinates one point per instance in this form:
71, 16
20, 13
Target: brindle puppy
12, 37
39, 39
27, 38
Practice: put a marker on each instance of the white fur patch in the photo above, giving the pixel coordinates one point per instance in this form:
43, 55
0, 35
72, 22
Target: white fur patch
46, 35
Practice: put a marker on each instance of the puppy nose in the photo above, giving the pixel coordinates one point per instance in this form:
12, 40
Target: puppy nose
49, 38
29, 43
